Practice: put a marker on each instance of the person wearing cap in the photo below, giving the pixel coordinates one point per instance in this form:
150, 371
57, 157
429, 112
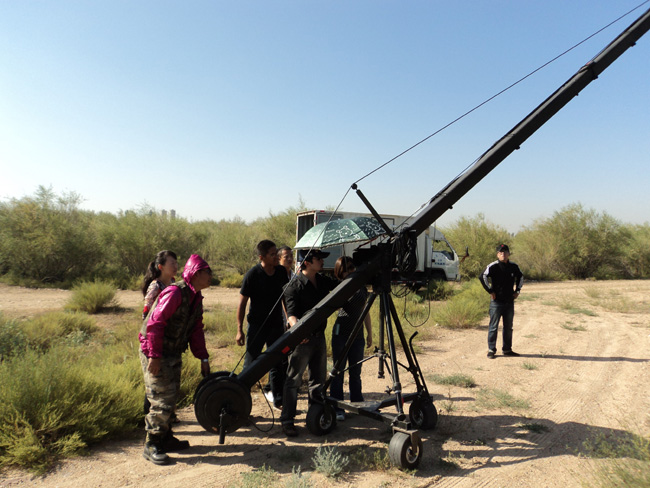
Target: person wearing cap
264, 285
503, 280
303, 292
174, 323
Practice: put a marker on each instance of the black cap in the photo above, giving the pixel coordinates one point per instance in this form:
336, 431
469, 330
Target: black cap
503, 248
307, 254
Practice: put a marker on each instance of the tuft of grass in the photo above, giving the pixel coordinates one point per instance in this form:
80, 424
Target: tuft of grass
264, 476
91, 297
573, 328
492, 398
298, 479
529, 366
330, 462
571, 308
527, 297
373, 459
629, 456
461, 380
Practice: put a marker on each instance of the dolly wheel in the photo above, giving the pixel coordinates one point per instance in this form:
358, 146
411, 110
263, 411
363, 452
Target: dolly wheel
321, 419
423, 414
402, 453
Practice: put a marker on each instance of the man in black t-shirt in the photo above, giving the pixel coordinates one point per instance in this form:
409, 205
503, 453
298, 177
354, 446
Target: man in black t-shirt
263, 284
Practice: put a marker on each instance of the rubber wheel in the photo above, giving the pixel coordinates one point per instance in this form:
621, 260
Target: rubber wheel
321, 419
222, 394
423, 415
402, 453
208, 378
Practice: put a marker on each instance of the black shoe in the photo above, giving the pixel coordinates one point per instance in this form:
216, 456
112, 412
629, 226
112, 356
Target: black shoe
511, 353
491, 354
155, 453
174, 419
174, 444
289, 430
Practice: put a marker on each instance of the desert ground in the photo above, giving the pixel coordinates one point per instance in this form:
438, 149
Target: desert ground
583, 374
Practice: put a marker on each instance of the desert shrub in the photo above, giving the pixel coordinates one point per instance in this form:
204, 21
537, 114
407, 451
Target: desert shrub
12, 338
232, 280
230, 246
131, 239
91, 297
635, 253
56, 403
44, 331
465, 309
329, 461
438, 290
481, 238
576, 243
46, 238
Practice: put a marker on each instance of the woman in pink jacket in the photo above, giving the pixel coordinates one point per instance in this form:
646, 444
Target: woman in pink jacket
175, 323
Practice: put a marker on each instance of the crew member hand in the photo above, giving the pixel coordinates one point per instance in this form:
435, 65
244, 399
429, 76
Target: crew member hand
205, 369
154, 366
493, 296
240, 338
515, 295
368, 341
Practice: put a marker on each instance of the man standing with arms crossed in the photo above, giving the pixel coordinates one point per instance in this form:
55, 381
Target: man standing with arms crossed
503, 280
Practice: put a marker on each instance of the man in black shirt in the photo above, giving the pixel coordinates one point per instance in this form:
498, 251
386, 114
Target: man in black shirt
264, 285
306, 289
503, 280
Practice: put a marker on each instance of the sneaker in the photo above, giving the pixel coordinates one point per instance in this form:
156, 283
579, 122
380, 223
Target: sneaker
511, 353
491, 354
269, 396
154, 452
340, 416
289, 430
277, 405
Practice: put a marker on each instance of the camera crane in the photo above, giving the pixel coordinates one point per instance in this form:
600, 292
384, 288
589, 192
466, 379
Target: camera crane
223, 400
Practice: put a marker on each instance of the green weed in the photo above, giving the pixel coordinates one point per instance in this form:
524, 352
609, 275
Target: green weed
232, 280
569, 307
529, 366
491, 398
371, 459
629, 456
264, 476
298, 479
573, 328
461, 380
464, 310
330, 462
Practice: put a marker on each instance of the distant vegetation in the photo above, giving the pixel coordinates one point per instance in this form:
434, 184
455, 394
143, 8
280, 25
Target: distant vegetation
46, 239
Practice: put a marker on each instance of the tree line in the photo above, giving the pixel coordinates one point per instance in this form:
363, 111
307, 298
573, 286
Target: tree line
47, 239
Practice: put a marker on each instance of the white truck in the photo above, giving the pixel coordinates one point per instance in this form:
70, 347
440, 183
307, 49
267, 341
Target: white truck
437, 259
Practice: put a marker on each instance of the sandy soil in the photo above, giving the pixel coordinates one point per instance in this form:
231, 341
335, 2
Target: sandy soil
584, 372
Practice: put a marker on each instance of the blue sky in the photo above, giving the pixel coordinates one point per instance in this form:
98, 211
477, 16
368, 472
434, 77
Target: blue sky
237, 108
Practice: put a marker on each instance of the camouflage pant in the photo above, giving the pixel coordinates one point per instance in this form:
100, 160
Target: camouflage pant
162, 392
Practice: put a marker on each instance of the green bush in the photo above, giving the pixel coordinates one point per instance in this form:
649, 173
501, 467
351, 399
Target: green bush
464, 310
12, 338
330, 462
481, 238
56, 403
91, 297
232, 280
48, 329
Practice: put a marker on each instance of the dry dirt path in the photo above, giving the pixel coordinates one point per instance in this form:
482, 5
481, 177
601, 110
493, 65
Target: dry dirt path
584, 372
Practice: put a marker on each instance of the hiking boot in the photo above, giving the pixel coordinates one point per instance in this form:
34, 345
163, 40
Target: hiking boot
174, 444
289, 430
154, 452
511, 353
491, 354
